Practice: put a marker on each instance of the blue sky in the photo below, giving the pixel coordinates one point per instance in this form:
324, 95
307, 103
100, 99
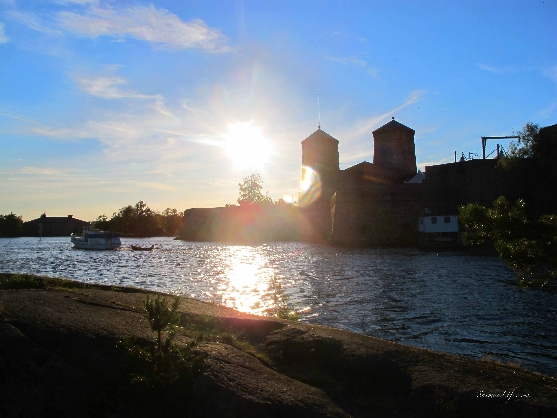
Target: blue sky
105, 103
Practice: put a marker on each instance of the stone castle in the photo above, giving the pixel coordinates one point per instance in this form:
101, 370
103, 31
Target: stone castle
379, 203
369, 203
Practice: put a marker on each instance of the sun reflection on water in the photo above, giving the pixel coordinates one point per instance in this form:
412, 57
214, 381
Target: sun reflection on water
248, 277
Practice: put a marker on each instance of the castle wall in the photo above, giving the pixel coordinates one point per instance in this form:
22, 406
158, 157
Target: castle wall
249, 223
384, 215
479, 181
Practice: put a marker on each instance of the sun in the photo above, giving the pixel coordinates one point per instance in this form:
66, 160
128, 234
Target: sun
246, 146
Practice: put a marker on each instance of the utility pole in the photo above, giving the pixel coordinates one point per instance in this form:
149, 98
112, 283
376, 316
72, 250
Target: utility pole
484, 141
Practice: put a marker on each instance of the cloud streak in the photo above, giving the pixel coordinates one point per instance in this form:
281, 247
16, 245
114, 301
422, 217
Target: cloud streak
551, 73
3, 38
145, 23
107, 87
366, 126
355, 62
33, 22
504, 69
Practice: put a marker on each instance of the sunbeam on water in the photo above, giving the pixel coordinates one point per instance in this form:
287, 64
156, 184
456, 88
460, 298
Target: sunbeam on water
451, 302
247, 280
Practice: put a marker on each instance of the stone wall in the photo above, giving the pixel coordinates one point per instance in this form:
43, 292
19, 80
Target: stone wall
474, 181
252, 223
385, 215
483, 181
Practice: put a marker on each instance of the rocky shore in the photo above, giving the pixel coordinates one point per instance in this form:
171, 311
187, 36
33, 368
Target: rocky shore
59, 356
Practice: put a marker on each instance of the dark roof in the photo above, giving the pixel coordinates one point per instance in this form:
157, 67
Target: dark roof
393, 124
359, 166
548, 129
321, 136
57, 219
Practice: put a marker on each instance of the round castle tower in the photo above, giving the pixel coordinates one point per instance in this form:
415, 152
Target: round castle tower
393, 145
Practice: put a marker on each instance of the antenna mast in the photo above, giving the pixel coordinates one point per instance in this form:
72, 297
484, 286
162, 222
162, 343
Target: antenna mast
318, 112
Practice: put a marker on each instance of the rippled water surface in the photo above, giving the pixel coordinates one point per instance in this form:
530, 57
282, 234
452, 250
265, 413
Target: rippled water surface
448, 301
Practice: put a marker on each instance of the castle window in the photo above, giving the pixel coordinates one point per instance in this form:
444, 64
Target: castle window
434, 220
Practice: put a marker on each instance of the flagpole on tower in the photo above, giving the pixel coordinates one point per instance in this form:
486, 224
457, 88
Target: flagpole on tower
318, 112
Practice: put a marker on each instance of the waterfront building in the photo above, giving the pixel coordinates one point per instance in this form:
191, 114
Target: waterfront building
53, 226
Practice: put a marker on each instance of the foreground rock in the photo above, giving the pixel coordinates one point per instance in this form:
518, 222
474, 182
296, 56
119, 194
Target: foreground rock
58, 357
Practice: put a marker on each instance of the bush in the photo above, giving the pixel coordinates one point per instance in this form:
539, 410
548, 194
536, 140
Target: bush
161, 373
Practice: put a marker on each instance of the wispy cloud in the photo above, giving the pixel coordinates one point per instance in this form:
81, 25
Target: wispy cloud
49, 171
367, 125
61, 133
158, 186
76, 1
108, 87
504, 69
146, 23
17, 117
548, 111
3, 37
355, 62
32, 21
551, 73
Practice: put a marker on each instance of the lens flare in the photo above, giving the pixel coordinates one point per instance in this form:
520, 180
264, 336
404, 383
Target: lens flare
310, 186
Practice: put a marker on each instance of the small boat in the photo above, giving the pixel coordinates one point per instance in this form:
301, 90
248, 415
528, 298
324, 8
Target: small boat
138, 248
96, 240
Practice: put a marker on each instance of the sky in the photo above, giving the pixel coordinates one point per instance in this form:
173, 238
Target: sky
106, 103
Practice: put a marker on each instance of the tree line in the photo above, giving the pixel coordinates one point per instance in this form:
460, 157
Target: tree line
11, 225
140, 220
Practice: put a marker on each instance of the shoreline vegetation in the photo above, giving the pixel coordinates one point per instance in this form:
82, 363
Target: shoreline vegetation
69, 348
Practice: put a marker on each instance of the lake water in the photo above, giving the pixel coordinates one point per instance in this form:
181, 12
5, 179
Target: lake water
447, 301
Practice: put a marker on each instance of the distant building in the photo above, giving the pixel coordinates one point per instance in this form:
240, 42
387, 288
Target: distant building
53, 226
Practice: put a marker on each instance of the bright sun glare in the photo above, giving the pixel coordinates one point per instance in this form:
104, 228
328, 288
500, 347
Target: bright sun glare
246, 146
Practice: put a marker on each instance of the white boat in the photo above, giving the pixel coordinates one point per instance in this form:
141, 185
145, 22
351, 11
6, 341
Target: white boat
96, 240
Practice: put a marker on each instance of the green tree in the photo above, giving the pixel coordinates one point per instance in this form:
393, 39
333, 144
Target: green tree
160, 317
250, 191
162, 374
172, 221
11, 225
528, 246
102, 222
527, 145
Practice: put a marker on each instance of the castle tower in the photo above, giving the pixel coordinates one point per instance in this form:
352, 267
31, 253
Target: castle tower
393, 145
320, 153
320, 180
